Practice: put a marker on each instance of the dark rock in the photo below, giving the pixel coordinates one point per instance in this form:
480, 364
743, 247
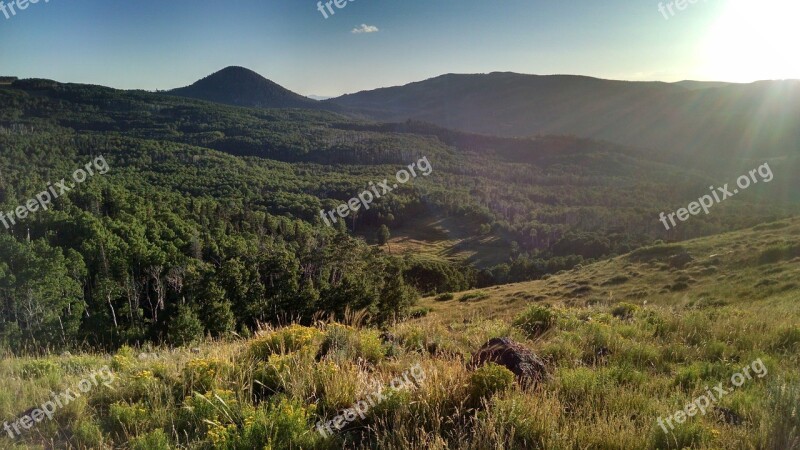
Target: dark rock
515, 357
388, 338
728, 416
603, 352
680, 260
433, 348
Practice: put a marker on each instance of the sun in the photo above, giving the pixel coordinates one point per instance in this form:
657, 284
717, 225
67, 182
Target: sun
753, 40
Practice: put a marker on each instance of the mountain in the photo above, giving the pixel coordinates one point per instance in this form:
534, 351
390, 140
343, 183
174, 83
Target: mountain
238, 86
730, 120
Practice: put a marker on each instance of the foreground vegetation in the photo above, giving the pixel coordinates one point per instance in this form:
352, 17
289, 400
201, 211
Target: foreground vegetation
626, 341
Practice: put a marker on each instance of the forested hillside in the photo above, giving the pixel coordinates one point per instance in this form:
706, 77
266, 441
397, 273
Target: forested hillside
208, 219
705, 125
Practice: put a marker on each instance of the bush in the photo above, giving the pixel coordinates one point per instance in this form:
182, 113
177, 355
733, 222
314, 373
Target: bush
283, 340
282, 423
624, 310
203, 374
490, 379
346, 343
779, 253
535, 321
205, 414
444, 297
123, 360
477, 295
128, 419
87, 434
155, 440
616, 280
272, 373
421, 311
38, 368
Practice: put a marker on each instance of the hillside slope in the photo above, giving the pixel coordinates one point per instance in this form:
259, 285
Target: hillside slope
674, 119
626, 342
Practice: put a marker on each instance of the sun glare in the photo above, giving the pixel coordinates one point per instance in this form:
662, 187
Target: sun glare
753, 41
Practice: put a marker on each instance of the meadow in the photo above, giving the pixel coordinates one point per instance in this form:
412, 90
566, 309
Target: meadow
625, 341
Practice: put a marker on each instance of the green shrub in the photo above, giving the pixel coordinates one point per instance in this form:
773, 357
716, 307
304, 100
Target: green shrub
474, 296
284, 340
344, 343
490, 379
282, 423
421, 311
444, 297
536, 320
87, 434
778, 253
204, 415
37, 368
273, 373
129, 419
616, 280
624, 310
123, 360
203, 374
154, 440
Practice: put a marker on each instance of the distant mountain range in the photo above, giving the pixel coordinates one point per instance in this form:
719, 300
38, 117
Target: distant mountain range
684, 119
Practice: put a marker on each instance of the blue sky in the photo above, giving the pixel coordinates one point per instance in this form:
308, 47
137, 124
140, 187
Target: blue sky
152, 44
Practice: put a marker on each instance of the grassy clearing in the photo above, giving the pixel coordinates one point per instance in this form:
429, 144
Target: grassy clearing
627, 341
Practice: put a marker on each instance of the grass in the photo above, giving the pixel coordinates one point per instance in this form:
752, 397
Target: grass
621, 355
443, 238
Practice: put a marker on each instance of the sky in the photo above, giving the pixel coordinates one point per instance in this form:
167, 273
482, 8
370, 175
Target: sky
150, 44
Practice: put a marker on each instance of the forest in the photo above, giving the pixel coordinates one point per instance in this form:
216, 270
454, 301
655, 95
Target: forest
207, 223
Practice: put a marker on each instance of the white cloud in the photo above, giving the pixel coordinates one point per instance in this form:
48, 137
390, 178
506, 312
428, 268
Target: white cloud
364, 28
